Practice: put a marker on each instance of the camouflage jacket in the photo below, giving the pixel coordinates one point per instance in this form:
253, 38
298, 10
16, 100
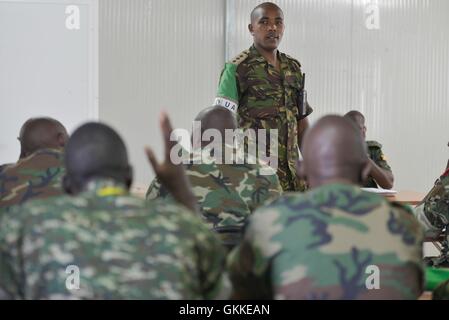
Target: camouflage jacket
122, 247
433, 211
375, 153
325, 244
265, 98
37, 176
227, 193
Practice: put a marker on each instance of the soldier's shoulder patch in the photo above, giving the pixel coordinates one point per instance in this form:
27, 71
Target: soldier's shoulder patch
374, 144
238, 59
292, 60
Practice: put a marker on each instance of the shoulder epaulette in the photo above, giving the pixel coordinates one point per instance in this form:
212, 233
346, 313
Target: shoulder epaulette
292, 59
238, 59
374, 144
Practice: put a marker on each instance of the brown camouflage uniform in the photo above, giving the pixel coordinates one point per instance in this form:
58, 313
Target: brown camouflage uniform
265, 98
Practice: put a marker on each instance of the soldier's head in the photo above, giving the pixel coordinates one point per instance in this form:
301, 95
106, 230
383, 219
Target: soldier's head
359, 120
95, 151
218, 118
334, 152
41, 133
267, 26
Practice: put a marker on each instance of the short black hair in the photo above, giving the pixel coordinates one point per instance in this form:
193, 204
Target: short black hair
95, 150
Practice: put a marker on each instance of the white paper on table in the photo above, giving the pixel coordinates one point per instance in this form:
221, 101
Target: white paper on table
380, 191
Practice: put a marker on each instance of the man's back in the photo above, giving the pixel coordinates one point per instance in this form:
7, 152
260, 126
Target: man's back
124, 248
324, 245
227, 193
36, 176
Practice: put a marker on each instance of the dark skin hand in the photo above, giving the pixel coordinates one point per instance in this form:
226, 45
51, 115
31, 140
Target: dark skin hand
383, 177
267, 29
172, 176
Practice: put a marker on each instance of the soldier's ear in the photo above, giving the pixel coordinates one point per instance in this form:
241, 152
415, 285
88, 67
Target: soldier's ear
250, 28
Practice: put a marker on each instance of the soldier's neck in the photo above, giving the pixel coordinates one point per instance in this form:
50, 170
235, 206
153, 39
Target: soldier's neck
270, 55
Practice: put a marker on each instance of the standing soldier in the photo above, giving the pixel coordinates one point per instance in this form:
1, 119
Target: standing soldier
266, 89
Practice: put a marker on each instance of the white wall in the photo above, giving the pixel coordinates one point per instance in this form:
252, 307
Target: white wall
45, 69
157, 55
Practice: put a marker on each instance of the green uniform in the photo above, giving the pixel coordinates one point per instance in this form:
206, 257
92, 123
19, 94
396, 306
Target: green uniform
123, 247
227, 193
433, 211
265, 98
35, 177
375, 153
324, 244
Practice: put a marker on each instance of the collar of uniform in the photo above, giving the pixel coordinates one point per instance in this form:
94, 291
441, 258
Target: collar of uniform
105, 187
256, 57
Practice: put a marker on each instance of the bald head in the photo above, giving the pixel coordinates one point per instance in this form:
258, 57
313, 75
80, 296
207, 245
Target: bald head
41, 133
95, 151
218, 118
258, 11
334, 152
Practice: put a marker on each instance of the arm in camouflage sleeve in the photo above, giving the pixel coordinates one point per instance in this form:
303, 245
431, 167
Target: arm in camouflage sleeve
433, 211
214, 280
10, 284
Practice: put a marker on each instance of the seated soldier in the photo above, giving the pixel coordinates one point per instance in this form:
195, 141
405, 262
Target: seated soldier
100, 242
433, 213
380, 174
38, 172
227, 193
335, 241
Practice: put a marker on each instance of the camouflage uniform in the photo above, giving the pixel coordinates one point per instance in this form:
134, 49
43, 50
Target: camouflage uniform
266, 99
433, 211
318, 245
227, 193
37, 176
124, 247
375, 153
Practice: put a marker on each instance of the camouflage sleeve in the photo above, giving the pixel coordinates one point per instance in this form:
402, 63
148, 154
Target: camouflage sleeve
434, 209
249, 269
214, 280
267, 188
227, 93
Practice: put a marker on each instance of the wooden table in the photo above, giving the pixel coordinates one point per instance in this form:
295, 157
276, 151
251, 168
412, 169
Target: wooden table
407, 197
